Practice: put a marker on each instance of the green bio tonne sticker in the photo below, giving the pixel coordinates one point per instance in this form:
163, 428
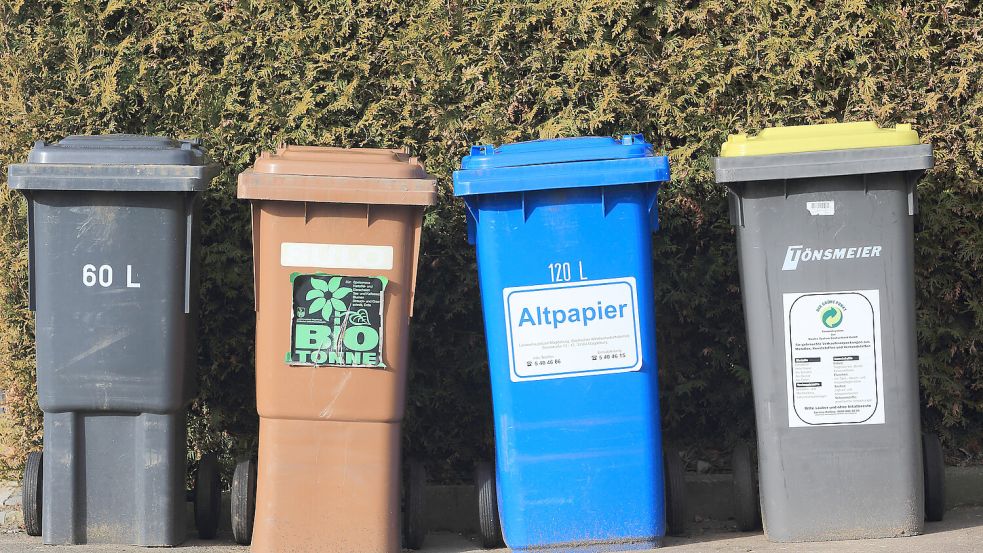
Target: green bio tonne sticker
336, 320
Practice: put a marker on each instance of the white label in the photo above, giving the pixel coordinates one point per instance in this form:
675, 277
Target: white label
833, 358
130, 282
796, 254
572, 329
103, 276
821, 208
336, 256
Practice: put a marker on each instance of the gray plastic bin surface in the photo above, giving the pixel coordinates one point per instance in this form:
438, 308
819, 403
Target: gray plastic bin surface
113, 224
845, 468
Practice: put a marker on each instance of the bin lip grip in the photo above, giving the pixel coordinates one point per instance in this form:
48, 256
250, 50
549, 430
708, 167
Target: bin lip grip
111, 178
825, 163
553, 176
255, 185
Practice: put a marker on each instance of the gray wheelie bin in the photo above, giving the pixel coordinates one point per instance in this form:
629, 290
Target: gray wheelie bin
824, 219
113, 224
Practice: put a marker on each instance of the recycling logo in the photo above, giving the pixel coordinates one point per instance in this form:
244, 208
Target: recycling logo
832, 316
336, 320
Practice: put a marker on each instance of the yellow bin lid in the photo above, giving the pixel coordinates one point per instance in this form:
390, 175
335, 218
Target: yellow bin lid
817, 138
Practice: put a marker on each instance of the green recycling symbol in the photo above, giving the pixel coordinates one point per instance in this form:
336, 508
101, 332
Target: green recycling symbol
327, 297
832, 316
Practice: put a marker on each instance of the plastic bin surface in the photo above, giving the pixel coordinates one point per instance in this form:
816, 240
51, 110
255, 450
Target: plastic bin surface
563, 230
336, 237
113, 224
824, 220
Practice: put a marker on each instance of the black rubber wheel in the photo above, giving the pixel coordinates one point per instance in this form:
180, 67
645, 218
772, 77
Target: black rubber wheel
489, 525
415, 505
31, 492
243, 501
208, 497
747, 507
675, 493
933, 463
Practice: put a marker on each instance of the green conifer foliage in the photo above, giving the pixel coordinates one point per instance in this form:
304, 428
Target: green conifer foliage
440, 75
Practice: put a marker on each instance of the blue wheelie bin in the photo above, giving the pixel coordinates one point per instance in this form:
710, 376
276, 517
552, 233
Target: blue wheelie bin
563, 236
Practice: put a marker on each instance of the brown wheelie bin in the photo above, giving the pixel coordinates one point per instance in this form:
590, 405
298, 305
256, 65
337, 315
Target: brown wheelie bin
336, 237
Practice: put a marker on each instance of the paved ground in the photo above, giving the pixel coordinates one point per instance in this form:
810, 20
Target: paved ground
961, 532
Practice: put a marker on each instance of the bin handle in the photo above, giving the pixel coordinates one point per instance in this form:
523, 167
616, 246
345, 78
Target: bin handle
253, 225
415, 262
652, 201
735, 205
471, 219
31, 303
189, 211
912, 182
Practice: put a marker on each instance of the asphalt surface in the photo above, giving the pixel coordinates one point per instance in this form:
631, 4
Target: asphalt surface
960, 532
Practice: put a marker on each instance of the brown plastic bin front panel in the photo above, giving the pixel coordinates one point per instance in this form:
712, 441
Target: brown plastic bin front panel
327, 487
329, 435
285, 391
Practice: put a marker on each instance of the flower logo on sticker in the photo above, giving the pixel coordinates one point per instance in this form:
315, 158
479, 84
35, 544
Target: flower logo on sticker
327, 297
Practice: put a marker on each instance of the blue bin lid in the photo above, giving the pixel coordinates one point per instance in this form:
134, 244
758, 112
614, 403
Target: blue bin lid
559, 163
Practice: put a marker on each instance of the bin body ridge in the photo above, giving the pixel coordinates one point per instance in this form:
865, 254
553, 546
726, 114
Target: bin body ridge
113, 224
825, 247
329, 453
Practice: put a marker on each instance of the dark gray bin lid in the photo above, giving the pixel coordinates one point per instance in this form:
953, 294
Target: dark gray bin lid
114, 162
857, 161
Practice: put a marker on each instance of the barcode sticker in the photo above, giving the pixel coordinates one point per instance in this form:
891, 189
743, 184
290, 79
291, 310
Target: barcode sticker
821, 208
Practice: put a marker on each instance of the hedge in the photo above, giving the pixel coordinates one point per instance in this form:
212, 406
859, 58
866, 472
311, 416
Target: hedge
440, 75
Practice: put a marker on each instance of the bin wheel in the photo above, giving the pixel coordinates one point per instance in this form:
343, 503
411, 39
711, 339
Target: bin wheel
208, 496
31, 492
933, 463
243, 501
748, 508
489, 524
415, 508
675, 493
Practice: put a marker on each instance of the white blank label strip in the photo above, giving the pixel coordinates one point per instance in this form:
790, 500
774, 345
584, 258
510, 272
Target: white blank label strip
336, 256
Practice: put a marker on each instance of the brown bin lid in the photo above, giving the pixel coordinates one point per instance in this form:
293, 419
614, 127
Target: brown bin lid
338, 175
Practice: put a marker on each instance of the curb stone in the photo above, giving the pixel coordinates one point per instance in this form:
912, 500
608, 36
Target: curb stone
453, 508
709, 498
11, 517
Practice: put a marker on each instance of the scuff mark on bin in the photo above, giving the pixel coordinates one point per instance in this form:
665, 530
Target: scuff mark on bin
153, 458
106, 342
336, 393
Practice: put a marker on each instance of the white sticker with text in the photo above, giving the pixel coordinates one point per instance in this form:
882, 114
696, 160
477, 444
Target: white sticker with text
573, 329
833, 358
